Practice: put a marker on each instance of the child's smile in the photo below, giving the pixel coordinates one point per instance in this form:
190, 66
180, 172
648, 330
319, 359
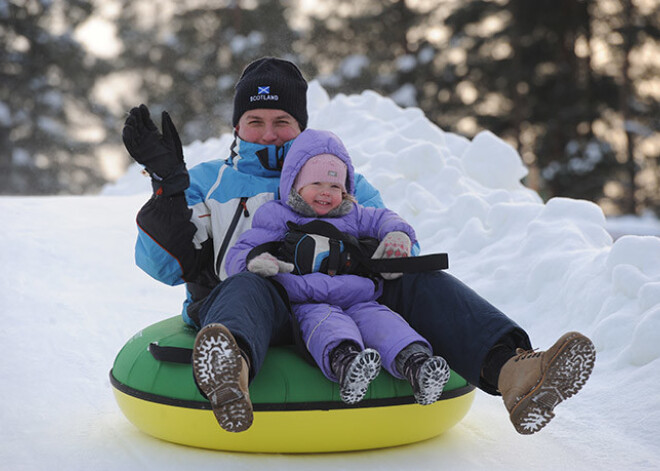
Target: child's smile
323, 197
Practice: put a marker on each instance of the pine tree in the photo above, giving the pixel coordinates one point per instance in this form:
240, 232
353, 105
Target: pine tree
524, 70
372, 45
635, 28
46, 79
552, 95
189, 59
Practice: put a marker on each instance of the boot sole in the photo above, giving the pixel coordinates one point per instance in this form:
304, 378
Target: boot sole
217, 368
362, 371
433, 377
565, 375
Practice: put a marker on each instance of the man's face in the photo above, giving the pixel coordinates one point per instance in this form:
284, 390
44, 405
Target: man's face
265, 126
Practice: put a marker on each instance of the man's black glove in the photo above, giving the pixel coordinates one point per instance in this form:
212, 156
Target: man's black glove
161, 154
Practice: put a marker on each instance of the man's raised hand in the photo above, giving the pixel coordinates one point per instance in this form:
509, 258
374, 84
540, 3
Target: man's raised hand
160, 154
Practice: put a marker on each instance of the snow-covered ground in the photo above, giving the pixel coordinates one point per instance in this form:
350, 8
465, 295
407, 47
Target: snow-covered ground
71, 296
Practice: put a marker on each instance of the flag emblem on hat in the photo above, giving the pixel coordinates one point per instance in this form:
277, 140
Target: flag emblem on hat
263, 90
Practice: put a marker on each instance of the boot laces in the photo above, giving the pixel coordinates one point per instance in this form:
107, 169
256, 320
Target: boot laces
522, 354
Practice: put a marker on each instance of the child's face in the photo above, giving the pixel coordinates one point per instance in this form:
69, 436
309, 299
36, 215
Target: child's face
323, 197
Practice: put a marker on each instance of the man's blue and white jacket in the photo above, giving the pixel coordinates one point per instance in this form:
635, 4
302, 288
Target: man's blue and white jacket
184, 238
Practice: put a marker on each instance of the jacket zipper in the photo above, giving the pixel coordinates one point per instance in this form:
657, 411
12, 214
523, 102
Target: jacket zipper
241, 208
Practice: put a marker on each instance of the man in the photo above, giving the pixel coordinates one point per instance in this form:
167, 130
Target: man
192, 218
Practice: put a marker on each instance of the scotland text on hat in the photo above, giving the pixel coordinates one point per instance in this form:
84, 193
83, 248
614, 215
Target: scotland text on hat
263, 94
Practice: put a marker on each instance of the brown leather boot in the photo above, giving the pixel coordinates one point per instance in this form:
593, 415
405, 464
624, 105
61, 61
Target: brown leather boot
533, 383
222, 372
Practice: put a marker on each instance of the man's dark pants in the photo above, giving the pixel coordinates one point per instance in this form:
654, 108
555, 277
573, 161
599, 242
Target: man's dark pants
460, 325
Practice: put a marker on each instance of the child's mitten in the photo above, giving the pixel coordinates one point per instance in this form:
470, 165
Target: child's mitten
266, 264
395, 244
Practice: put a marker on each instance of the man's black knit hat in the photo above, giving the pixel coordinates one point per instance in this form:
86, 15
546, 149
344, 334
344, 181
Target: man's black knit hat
274, 84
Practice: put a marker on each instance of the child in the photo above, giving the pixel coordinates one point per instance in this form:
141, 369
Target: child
341, 318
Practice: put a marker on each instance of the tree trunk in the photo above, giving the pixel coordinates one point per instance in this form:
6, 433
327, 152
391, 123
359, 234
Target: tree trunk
630, 205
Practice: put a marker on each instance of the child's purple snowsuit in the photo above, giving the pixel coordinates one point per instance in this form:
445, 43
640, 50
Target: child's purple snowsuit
331, 309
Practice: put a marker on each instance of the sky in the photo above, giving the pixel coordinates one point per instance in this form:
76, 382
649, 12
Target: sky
72, 296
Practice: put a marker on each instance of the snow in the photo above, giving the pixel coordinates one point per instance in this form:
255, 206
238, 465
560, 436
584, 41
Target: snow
240, 44
646, 224
5, 114
406, 63
352, 66
72, 296
406, 95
